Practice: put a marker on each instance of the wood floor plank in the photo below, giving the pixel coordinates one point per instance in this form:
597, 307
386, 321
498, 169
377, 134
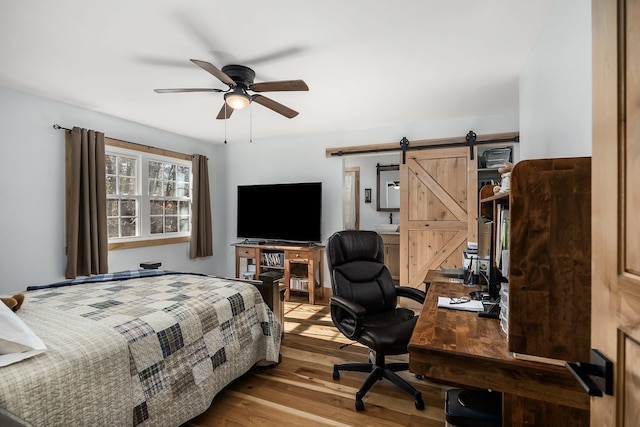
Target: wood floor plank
301, 391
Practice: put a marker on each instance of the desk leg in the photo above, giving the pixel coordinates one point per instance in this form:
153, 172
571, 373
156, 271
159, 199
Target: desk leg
311, 283
320, 274
287, 278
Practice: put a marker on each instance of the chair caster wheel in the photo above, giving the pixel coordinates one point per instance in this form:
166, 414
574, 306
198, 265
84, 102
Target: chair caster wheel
419, 377
419, 404
360, 405
336, 374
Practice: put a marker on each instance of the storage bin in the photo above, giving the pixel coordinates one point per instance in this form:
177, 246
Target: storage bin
497, 157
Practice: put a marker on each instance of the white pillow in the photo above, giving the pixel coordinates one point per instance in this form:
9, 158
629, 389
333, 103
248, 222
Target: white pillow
17, 341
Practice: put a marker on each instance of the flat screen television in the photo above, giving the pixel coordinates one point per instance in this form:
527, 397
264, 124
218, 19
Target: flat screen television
280, 212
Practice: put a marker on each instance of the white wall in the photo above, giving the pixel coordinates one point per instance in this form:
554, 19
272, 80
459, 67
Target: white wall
32, 189
555, 86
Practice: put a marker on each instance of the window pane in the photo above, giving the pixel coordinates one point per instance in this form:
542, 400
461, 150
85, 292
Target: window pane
110, 165
112, 227
128, 207
111, 185
126, 186
156, 224
155, 170
170, 189
184, 224
127, 227
183, 174
184, 208
183, 189
169, 171
112, 208
170, 207
155, 187
170, 224
127, 166
156, 207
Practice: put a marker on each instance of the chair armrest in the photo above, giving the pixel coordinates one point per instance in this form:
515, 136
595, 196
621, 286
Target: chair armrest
411, 293
353, 308
349, 310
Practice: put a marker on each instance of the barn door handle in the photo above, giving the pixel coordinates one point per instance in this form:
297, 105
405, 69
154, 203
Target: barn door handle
594, 377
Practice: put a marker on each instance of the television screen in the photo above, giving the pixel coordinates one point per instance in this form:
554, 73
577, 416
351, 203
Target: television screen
284, 212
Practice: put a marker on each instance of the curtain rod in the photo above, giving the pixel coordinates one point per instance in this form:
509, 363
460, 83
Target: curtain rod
58, 127
148, 147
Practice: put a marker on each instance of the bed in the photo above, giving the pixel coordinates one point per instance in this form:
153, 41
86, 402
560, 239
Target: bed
139, 348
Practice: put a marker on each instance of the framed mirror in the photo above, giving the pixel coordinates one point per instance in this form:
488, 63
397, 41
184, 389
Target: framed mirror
388, 191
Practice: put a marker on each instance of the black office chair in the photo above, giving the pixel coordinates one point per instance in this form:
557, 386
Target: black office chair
363, 308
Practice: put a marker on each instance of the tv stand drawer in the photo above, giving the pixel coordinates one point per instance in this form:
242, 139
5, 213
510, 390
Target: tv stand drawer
246, 252
297, 255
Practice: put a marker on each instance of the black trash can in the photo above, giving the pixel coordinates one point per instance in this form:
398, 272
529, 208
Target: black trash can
473, 408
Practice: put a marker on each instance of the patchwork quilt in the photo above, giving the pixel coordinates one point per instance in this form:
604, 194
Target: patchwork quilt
142, 351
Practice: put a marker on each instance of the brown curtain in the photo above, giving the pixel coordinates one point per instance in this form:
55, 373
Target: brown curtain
201, 240
87, 240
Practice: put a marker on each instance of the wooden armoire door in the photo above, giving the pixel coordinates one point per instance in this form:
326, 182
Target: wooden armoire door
438, 210
615, 314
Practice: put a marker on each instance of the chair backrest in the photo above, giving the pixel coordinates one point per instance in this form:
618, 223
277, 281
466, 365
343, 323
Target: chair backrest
356, 264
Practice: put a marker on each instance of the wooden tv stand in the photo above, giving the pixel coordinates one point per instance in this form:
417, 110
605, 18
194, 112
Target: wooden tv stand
296, 261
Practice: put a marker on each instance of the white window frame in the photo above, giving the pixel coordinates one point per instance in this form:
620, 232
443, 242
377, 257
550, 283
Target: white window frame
144, 155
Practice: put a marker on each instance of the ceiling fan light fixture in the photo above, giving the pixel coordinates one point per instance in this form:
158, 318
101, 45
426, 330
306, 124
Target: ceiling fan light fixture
237, 99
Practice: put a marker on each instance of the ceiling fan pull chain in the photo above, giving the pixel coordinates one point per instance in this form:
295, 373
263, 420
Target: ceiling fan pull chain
250, 123
225, 123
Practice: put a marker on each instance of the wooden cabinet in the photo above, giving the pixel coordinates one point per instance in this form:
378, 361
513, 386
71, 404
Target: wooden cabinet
549, 241
550, 258
301, 266
392, 254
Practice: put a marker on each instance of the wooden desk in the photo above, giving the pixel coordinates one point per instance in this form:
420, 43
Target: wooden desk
466, 351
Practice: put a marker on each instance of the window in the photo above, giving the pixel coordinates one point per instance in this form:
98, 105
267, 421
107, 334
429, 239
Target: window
148, 196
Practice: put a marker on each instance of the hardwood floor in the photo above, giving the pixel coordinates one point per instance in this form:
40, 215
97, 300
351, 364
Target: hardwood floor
300, 390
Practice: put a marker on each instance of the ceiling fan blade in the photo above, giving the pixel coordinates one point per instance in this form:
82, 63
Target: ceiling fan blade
270, 57
225, 112
275, 106
215, 71
188, 90
279, 86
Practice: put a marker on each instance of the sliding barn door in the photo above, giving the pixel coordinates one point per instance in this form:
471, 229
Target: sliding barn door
438, 211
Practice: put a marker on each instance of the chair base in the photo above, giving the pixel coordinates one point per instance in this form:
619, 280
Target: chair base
379, 370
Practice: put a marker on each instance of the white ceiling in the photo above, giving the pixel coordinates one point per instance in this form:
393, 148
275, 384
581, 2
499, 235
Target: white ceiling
368, 63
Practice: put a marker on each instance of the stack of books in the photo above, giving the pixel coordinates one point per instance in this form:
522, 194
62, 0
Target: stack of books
299, 283
272, 259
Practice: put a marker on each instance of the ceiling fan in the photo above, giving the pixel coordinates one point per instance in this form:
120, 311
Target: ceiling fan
240, 81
